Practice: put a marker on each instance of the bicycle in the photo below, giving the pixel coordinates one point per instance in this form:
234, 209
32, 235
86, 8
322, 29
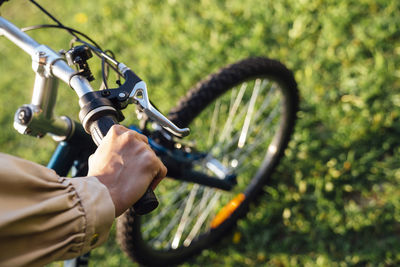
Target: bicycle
211, 182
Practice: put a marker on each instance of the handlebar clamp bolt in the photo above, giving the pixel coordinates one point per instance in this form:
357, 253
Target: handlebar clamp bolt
122, 96
105, 92
23, 115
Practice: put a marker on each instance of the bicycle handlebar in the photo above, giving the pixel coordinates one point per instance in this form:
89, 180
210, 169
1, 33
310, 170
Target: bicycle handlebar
99, 109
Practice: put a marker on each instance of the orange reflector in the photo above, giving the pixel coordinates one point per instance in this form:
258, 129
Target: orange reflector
226, 211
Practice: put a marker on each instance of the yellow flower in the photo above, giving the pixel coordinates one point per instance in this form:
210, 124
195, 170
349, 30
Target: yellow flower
236, 237
286, 213
106, 11
81, 18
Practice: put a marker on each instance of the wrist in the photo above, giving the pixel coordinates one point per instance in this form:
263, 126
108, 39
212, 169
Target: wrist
115, 196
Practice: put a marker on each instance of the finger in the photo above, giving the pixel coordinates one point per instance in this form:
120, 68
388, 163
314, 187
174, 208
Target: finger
162, 172
155, 183
117, 130
142, 137
133, 134
90, 160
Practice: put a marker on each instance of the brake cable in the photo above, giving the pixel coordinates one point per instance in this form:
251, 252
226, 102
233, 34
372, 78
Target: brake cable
94, 46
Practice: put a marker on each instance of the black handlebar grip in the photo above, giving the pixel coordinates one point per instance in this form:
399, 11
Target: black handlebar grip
147, 203
99, 128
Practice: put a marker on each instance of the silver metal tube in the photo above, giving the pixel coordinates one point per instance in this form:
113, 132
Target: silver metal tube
80, 85
45, 95
38, 125
18, 37
59, 126
59, 68
48, 65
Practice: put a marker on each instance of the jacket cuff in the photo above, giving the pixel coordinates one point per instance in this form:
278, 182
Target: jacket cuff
98, 208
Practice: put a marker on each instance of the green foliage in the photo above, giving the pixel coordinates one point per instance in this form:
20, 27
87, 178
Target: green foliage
335, 198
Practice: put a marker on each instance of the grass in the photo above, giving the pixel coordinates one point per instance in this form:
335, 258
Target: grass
335, 199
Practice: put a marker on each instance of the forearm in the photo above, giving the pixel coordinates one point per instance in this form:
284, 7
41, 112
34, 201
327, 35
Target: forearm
44, 217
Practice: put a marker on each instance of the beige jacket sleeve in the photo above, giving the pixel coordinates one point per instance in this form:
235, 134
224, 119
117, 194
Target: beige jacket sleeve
44, 217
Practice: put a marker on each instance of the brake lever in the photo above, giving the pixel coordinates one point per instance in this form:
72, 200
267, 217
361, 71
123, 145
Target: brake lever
140, 97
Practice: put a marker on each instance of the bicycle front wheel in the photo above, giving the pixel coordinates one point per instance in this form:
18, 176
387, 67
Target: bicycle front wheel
242, 117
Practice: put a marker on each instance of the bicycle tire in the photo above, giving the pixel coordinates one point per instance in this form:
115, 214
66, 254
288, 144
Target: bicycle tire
253, 71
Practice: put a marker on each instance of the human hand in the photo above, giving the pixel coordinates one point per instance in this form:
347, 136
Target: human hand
126, 165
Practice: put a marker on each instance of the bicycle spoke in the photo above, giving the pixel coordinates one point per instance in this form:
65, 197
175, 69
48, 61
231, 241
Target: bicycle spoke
236, 137
249, 114
263, 107
175, 193
176, 206
240, 116
266, 102
156, 241
258, 138
196, 212
207, 194
165, 211
181, 203
214, 123
184, 218
228, 124
201, 220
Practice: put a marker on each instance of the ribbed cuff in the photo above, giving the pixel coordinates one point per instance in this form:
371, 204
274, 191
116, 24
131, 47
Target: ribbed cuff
99, 210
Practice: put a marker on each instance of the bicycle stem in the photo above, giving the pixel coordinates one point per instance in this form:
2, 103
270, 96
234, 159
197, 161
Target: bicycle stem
37, 118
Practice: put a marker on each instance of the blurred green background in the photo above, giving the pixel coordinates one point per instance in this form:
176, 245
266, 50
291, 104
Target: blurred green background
335, 199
